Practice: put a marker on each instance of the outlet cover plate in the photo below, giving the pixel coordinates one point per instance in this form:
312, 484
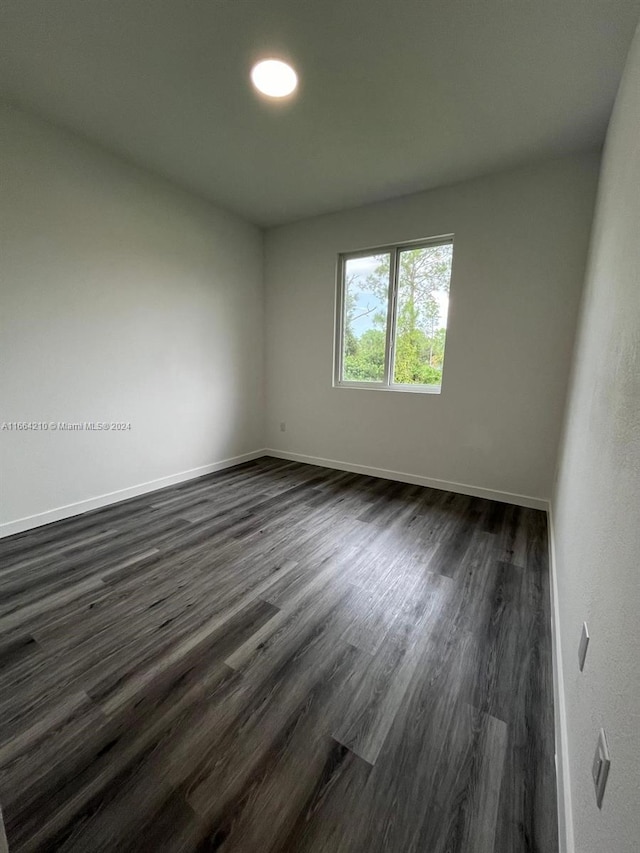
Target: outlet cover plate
584, 645
601, 764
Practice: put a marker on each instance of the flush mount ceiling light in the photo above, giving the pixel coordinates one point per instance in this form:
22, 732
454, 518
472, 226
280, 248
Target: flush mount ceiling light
274, 78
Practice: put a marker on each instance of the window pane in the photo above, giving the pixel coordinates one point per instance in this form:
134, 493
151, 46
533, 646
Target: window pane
366, 295
421, 314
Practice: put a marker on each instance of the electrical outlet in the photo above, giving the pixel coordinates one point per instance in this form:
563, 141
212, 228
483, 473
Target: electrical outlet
600, 769
283, 426
584, 645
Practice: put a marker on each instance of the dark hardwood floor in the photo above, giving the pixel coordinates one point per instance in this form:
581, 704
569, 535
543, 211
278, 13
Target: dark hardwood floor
279, 657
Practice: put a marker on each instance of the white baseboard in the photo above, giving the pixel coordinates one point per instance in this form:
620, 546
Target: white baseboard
414, 479
29, 522
565, 815
77, 508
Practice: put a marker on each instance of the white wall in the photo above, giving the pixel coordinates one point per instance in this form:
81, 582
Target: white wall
519, 256
123, 298
597, 502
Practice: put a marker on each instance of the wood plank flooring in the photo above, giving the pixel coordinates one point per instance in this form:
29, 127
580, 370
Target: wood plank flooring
279, 657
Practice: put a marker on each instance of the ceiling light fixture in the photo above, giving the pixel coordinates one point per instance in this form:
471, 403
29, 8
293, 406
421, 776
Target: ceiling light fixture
274, 78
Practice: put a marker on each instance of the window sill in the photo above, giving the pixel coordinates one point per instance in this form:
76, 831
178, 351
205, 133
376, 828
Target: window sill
402, 389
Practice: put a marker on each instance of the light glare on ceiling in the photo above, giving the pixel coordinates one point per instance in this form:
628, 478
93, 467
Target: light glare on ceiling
274, 78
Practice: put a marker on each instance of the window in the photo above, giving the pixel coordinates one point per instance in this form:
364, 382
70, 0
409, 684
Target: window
392, 316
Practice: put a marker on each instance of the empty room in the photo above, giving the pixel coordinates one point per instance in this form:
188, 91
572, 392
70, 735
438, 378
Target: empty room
320, 426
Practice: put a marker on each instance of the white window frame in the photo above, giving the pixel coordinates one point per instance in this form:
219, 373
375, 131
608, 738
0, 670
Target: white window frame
386, 384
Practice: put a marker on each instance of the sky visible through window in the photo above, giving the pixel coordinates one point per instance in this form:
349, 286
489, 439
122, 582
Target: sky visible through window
360, 268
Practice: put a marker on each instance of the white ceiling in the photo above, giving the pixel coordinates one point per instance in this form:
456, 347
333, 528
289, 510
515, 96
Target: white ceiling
396, 95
